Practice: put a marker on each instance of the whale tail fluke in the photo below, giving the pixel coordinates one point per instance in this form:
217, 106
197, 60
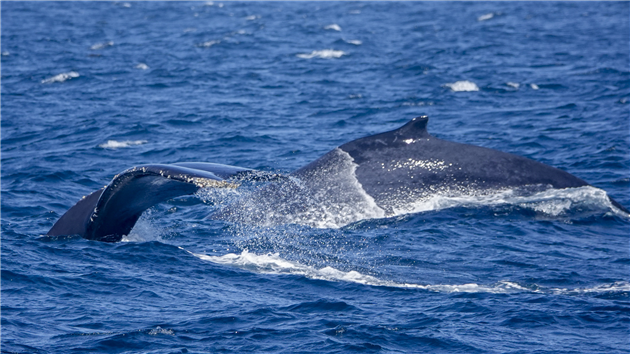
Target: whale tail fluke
111, 212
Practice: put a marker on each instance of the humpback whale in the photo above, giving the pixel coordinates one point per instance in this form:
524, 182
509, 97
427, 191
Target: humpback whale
370, 176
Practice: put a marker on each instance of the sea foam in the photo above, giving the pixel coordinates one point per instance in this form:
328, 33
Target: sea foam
275, 264
323, 54
61, 77
208, 44
113, 144
462, 86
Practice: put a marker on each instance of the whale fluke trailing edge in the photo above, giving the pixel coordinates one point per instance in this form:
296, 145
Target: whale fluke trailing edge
394, 167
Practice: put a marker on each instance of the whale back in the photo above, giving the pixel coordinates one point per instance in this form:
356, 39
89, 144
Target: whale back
408, 164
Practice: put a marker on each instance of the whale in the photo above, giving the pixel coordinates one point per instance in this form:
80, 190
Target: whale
370, 177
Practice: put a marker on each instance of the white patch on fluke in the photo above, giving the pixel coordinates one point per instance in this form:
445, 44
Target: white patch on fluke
323, 54
113, 144
61, 77
462, 86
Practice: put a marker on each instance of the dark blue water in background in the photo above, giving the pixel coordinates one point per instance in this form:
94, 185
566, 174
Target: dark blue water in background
90, 89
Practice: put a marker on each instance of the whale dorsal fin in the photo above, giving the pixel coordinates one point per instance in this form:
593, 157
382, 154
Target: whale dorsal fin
416, 127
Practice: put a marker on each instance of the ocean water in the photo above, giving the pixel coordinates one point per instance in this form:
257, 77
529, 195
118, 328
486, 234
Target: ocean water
91, 89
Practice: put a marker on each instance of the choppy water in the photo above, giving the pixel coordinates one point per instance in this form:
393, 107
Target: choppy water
90, 89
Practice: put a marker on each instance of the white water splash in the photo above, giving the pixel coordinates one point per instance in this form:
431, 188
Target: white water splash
113, 144
274, 264
329, 196
144, 230
61, 77
323, 54
553, 202
142, 66
462, 86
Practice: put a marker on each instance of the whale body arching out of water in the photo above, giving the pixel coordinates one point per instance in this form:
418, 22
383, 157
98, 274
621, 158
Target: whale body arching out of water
369, 177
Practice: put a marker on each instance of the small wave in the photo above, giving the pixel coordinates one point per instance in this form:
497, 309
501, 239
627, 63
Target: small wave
159, 330
61, 77
5, 54
334, 27
485, 17
420, 103
274, 264
142, 66
208, 44
534, 86
324, 54
513, 84
211, 3
103, 45
252, 17
354, 41
462, 86
113, 144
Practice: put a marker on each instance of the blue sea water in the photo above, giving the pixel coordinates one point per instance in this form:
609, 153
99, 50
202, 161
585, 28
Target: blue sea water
90, 89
